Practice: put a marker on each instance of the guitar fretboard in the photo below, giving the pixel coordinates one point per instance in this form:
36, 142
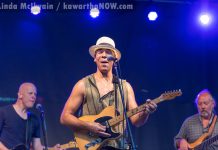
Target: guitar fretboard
207, 142
132, 112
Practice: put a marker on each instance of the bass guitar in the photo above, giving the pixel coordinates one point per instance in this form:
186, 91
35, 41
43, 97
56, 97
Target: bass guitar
202, 142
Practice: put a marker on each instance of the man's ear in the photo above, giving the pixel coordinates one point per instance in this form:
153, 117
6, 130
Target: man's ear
214, 103
20, 95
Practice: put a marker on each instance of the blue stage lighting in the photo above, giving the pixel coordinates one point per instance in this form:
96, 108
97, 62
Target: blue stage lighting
35, 10
152, 16
205, 19
94, 12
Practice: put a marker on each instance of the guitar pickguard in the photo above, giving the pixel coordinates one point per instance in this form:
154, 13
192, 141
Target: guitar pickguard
104, 121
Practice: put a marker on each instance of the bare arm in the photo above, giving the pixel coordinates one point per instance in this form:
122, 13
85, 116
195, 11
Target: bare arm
2, 147
72, 105
140, 118
37, 145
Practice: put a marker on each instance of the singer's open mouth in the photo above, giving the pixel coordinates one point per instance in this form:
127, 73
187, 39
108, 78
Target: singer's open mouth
104, 62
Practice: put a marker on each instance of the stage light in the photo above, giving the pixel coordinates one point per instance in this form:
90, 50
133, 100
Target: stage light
205, 19
152, 16
35, 10
94, 12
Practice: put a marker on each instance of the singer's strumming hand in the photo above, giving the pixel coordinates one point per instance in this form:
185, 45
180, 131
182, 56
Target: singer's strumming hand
98, 129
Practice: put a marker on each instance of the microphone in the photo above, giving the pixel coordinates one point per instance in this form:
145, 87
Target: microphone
111, 58
39, 107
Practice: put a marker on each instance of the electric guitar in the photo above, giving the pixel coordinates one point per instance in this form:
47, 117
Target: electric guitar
86, 141
71, 144
201, 144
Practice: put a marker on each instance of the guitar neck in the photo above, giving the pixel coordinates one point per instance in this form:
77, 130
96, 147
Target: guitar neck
132, 112
208, 142
66, 146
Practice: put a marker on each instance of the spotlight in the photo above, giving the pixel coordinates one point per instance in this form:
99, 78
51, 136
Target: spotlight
94, 12
152, 16
205, 19
35, 10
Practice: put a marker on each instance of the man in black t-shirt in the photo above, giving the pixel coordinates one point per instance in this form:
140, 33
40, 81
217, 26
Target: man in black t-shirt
15, 120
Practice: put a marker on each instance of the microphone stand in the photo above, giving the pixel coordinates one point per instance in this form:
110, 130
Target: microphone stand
42, 118
133, 146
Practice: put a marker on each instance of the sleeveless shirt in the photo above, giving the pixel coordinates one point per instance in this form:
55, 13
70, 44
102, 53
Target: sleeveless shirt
93, 104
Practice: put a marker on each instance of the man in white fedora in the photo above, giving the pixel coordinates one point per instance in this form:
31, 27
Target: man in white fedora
97, 92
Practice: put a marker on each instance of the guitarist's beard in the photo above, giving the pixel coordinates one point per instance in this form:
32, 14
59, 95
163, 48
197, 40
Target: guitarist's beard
205, 114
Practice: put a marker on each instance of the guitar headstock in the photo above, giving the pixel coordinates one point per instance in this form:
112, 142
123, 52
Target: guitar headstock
171, 94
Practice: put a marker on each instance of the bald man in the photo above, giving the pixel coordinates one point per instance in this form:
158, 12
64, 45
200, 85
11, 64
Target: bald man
15, 120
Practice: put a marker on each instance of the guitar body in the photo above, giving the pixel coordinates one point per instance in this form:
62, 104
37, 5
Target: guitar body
201, 143
192, 146
91, 142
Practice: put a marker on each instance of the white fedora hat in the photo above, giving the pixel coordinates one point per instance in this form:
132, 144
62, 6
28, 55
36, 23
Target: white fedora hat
105, 43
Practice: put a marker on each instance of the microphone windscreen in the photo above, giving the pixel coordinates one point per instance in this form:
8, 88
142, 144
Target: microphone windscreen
39, 106
111, 58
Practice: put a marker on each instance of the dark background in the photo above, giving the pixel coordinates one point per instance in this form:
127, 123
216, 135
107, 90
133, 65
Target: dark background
175, 52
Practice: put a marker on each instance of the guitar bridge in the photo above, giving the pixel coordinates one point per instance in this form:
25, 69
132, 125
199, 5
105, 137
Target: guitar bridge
93, 143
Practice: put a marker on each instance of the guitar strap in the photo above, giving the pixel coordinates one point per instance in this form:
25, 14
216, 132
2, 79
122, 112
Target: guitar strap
211, 129
28, 130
